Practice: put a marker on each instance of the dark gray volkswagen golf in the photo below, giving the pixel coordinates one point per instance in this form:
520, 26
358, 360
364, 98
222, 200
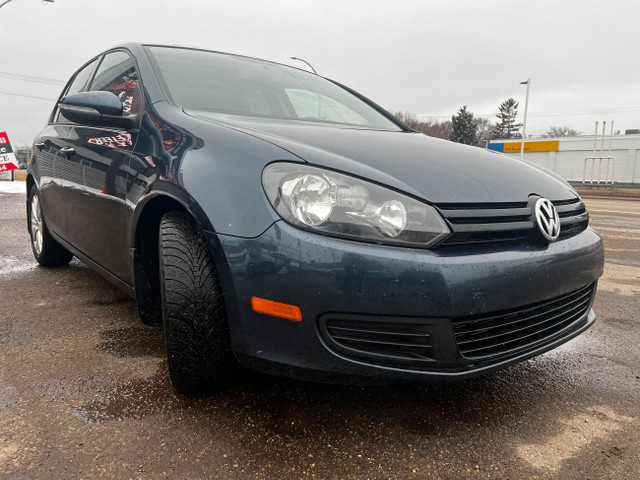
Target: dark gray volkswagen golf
272, 218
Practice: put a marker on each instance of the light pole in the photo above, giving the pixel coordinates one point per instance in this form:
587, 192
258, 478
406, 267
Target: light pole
303, 60
7, 1
524, 123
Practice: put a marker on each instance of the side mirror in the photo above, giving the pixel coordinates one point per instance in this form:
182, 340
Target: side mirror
96, 108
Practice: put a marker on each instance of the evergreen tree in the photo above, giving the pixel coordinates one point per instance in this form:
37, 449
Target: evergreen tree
507, 127
464, 127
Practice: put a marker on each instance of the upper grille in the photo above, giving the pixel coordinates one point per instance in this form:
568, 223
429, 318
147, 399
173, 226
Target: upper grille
507, 332
496, 222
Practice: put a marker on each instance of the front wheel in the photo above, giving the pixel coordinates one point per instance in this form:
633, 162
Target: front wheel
46, 250
193, 310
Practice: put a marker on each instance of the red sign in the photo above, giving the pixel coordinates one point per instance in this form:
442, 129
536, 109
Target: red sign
5, 167
5, 145
7, 159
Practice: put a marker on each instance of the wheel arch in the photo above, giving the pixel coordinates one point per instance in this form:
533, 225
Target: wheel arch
144, 246
30, 182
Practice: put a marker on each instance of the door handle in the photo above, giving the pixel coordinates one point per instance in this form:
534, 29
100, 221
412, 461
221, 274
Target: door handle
39, 145
67, 150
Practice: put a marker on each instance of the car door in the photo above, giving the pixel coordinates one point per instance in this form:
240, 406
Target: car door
96, 211
47, 162
50, 162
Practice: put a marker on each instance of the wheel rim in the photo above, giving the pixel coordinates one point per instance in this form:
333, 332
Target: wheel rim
36, 225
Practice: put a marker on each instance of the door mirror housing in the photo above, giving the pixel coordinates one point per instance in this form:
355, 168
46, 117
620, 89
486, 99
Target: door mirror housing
96, 108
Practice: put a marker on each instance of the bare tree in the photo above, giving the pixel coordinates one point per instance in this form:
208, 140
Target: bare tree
485, 127
555, 132
433, 128
408, 118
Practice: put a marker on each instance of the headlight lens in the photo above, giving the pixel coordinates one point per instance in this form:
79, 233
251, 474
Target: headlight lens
340, 205
310, 199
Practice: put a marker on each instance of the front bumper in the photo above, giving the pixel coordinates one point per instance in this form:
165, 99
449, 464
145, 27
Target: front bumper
333, 278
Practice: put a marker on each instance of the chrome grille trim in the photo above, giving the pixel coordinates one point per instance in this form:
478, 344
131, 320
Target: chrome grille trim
500, 222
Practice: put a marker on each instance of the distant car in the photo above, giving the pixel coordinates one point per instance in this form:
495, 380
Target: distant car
269, 217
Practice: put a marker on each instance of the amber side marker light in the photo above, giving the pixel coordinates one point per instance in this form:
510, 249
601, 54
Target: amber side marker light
276, 309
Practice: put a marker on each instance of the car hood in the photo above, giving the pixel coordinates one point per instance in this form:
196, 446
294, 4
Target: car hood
435, 170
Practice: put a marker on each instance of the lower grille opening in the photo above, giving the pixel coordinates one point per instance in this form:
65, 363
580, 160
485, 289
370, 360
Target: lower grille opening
504, 333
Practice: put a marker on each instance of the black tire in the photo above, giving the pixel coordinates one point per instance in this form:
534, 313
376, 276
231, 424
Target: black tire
194, 315
46, 250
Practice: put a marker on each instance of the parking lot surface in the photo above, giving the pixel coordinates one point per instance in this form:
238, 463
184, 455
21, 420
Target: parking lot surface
84, 393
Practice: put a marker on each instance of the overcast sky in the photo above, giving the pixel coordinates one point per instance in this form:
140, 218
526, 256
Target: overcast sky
425, 57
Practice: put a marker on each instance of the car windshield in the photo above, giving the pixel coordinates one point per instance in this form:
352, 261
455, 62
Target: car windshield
230, 84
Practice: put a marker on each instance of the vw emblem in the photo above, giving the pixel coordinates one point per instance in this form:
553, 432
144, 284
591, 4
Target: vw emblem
547, 219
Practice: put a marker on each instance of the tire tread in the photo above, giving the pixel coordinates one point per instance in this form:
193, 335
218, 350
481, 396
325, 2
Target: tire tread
195, 320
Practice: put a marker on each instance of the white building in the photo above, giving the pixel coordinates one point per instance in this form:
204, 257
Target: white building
612, 160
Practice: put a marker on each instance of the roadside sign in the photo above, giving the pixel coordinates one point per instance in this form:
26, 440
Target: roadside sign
7, 157
7, 165
4, 139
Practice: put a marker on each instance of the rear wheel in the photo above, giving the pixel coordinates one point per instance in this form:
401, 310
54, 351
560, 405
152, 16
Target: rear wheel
193, 310
46, 250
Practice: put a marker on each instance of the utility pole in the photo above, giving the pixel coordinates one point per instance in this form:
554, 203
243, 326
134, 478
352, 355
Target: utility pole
524, 123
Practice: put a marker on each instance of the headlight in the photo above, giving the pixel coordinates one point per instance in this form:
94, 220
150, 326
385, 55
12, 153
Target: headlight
335, 204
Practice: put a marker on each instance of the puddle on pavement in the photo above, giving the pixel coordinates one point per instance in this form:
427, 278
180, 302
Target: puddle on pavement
14, 267
133, 399
55, 390
133, 342
10, 267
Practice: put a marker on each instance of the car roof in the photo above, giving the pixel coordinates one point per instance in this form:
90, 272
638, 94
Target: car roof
129, 45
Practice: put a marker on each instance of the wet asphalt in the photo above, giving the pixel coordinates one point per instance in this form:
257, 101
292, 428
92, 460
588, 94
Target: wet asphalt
84, 393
